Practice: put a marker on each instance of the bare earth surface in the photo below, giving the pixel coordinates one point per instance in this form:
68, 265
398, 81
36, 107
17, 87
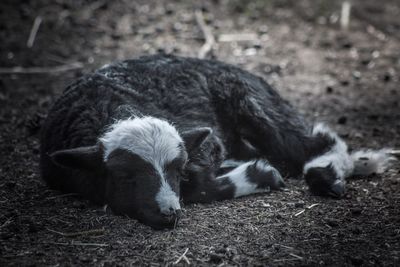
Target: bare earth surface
349, 79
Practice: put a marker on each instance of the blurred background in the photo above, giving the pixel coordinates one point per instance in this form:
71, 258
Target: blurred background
336, 61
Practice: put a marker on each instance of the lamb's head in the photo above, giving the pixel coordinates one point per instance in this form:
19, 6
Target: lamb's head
143, 159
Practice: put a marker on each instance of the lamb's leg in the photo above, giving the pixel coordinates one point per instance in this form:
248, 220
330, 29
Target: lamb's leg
283, 141
320, 156
250, 177
325, 173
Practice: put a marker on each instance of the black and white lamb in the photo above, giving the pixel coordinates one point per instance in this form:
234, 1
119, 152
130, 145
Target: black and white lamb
140, 135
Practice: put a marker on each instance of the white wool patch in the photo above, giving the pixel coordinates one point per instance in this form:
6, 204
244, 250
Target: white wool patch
371, 161
338, 156
243, 186
264, 166
154, 140
167, 199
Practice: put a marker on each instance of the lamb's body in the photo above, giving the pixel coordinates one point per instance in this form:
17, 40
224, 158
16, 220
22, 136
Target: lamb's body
250, 118
187, 92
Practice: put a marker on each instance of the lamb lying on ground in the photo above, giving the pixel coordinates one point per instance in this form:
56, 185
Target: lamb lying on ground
140, 135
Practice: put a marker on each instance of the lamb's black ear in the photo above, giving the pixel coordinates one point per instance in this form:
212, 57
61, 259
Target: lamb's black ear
194, 138
84, 158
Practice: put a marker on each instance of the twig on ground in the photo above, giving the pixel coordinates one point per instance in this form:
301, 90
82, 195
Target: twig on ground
34, 31
38, 70
299, 213
80, 244
61, 196
183, 257
312, 205
208, 36
345, 15
287, 247
75, 234
296, 256
303, 210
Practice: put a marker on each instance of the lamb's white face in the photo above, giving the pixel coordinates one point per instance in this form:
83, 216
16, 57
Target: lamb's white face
144, 157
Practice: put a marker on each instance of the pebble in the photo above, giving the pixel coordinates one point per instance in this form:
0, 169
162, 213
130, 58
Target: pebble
356, 75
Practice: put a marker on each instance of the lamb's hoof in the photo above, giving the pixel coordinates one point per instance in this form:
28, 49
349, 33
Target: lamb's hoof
324, 181
265, 175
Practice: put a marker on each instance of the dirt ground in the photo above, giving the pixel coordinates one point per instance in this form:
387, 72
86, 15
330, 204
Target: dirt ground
349, 79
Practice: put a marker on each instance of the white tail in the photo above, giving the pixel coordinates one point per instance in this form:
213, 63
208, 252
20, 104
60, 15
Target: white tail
371, 161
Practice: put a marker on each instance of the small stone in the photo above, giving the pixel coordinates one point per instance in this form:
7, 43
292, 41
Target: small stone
177, 27
356, 75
